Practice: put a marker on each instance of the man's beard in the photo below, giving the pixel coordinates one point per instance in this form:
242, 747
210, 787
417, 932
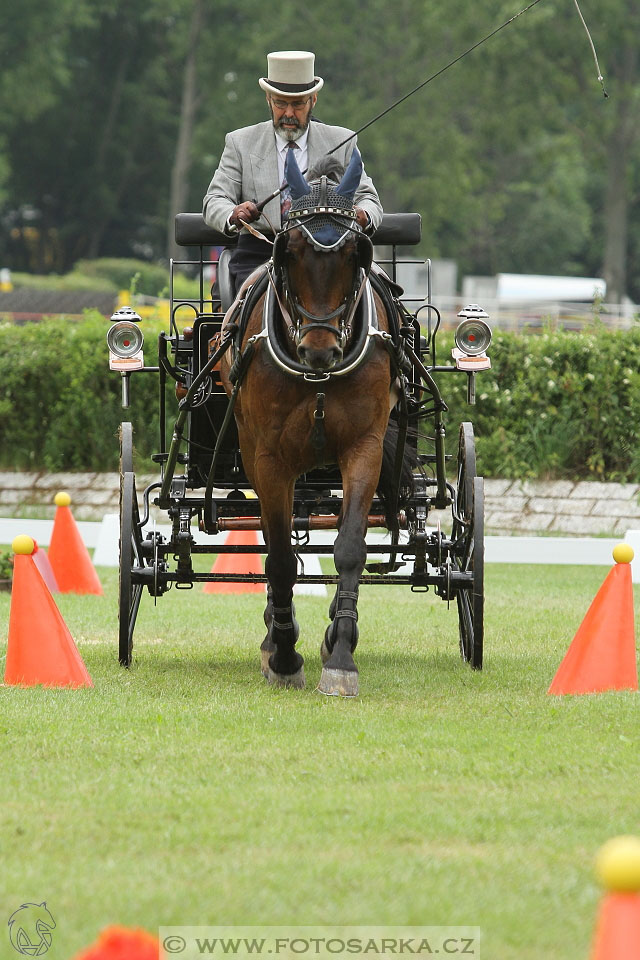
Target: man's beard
293, 130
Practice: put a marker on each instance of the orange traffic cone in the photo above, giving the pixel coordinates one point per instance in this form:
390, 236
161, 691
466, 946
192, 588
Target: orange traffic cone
68, 555
237, 563
119, 943
40, 648
602, 655
617, 935
43, 564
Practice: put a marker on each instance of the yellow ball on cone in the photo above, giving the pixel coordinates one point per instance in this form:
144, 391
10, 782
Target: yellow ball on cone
617, 933
23, 544
623, 553
618, 864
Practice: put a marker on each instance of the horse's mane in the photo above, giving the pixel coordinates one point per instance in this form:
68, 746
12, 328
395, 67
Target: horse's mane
329, 167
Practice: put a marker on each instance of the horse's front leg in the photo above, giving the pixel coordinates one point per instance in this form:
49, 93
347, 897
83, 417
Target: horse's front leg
360, 473
281, 663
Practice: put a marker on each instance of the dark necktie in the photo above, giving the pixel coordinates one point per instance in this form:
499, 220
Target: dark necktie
285, 196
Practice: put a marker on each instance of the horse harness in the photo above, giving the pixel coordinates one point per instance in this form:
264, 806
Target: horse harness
312, 215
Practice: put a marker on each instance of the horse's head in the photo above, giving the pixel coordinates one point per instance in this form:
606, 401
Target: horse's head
323, 258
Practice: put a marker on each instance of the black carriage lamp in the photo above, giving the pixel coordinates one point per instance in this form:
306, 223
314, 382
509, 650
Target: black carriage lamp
472, 337
125, 341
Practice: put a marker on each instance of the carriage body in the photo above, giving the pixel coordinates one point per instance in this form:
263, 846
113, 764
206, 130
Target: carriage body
450, 563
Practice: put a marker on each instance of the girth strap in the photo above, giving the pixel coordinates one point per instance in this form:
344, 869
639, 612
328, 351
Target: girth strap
318, 436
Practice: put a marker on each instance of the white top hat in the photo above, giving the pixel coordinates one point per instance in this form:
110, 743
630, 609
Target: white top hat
290, 73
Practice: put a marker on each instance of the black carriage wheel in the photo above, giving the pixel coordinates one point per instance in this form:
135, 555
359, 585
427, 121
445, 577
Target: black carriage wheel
471, 602
130, 558
126, 448
466, 462
468, 531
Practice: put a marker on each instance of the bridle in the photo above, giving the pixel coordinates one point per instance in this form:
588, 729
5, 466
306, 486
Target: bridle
300, 320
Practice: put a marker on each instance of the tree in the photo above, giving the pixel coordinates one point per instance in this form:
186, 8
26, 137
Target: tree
512, 156
622, 138
182, 160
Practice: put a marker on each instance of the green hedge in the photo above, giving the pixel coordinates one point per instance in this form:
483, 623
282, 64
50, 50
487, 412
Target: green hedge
60, 405
112, 274
559, 404
554, 405
149, 279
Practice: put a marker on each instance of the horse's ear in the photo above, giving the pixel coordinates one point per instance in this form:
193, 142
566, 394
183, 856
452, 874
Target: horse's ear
298, 184
351, 179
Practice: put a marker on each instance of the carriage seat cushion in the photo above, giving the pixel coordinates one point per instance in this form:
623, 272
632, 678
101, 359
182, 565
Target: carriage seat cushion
192, 231
403, 229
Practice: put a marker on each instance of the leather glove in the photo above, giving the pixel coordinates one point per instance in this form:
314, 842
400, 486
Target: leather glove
245, 212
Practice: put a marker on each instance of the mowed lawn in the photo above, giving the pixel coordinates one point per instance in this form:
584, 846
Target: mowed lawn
187, 791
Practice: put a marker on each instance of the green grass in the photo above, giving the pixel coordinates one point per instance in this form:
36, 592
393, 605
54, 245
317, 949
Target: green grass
188, 791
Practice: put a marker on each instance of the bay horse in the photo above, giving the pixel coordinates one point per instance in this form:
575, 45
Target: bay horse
318, 327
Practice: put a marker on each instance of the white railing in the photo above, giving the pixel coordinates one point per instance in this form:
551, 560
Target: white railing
536, 317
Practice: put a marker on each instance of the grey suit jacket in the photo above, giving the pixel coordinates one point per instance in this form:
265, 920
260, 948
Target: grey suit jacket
248, 170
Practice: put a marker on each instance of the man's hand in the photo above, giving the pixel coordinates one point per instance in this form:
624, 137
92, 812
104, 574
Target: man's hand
362, 218
245, 212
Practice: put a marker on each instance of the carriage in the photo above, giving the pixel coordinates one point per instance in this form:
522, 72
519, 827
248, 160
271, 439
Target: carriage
203, 487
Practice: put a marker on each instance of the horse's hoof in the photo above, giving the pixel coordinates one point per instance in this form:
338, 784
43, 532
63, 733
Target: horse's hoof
295, 680
325, 653
338, 683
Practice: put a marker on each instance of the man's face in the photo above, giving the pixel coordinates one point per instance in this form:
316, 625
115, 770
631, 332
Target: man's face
290, 115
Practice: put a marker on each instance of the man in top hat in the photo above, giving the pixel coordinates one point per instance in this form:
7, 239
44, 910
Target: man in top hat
252, 163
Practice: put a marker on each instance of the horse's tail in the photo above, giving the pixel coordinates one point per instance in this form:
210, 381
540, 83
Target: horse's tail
393, 494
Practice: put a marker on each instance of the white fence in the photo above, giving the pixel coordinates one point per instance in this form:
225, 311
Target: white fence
103, 536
